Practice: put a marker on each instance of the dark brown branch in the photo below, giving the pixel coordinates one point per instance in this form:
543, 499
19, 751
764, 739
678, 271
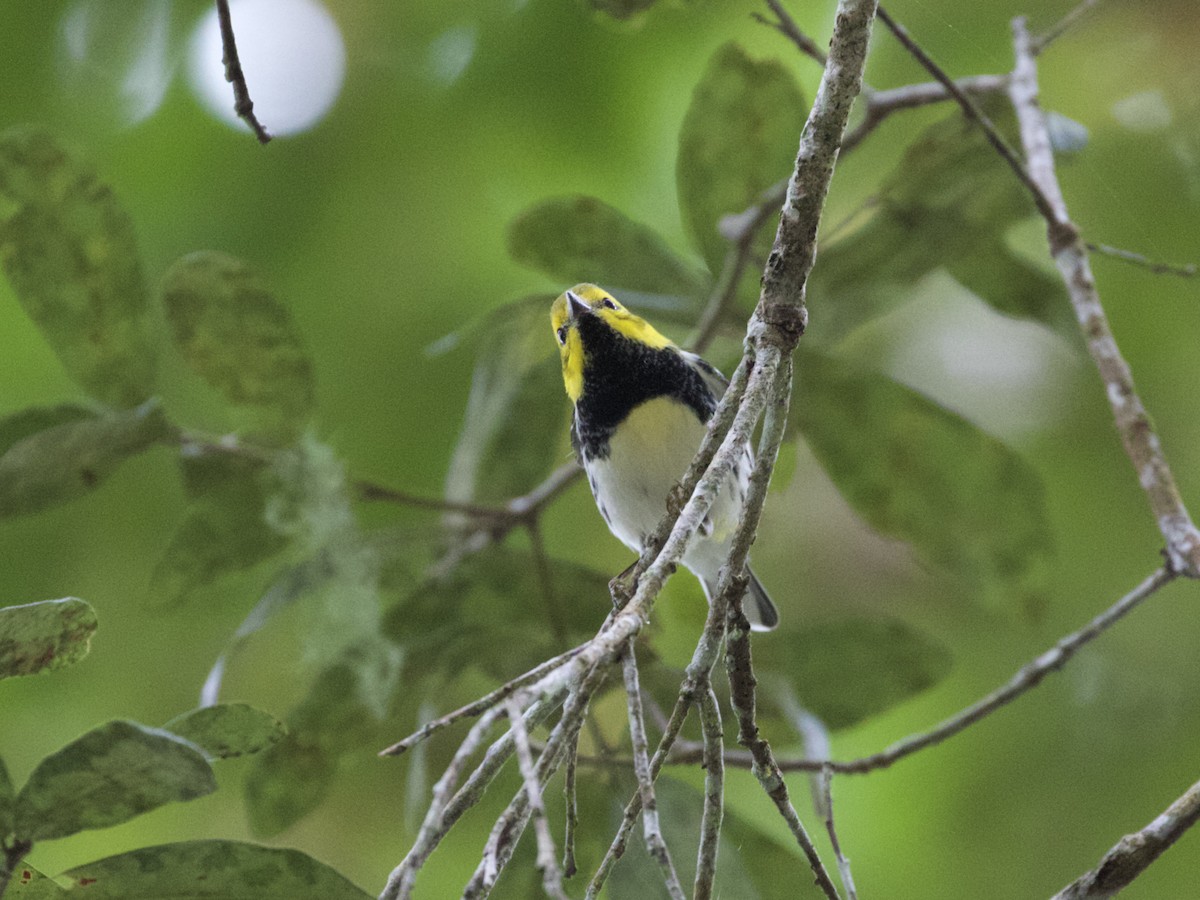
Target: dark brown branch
242, 104
971, 110
786, 25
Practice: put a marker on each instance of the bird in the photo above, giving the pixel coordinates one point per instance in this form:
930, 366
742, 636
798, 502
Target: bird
641, 408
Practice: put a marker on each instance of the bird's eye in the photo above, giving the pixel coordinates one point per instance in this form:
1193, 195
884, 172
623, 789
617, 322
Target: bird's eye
562, 334
608, 303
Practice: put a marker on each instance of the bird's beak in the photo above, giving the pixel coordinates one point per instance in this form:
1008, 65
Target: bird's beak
576, 305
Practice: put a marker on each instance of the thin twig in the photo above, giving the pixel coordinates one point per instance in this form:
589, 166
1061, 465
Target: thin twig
843, 862
786, 25
704, 657
971, 109
714, 793
738, 663
739, 229
741, 693
483, 704
547, 856
369, 490
403, 878
1027, 677
655, 845
555, 614
1070, 256
817, 746
1191, 270
572, 814
242, 104
879, 105
1133, 854
1054, 32
511, 823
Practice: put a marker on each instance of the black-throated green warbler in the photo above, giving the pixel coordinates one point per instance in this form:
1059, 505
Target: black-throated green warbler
641, 409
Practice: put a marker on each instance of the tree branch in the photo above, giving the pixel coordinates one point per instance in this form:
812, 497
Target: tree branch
547, 860
781, 300
1026, 678
242, 103
655, 845
1135, 852
714, 791
1070, 256
879, 105
972, 111
1066, 23
1191, 270
786, 25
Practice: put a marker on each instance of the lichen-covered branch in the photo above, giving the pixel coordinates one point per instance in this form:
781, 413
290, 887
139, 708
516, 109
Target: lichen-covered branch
714, 793
1135, 852
1071, 257
1026, 678
781, 300
656, 846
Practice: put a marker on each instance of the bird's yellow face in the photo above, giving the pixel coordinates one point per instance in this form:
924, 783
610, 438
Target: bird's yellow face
588, 300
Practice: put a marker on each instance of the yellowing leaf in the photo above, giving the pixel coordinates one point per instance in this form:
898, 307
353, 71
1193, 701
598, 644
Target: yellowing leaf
38, 637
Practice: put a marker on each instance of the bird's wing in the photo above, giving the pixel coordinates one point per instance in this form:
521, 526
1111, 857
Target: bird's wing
711, 374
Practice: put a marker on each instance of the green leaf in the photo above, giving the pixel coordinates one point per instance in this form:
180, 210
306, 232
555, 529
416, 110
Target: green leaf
30, 884
917, 471
950, 204
751, 865
67, 460
492, 614
844, 672
69, 251
228, 729
221, 870
339, 715
620, 9
580, 238
225, 527
110, 775
43, 636
738, 138
240, 339
16, 427
516, 420
8, 802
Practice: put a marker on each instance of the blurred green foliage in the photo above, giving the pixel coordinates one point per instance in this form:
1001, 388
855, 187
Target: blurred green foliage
290, 294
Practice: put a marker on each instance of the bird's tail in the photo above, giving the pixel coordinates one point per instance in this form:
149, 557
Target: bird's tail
757, 605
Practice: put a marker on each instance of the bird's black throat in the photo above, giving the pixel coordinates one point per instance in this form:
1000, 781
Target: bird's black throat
620, 374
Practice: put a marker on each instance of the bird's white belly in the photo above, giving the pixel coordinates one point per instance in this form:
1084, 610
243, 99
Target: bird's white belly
648, 453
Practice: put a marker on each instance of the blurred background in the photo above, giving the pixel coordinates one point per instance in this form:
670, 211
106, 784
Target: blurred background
408, 136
